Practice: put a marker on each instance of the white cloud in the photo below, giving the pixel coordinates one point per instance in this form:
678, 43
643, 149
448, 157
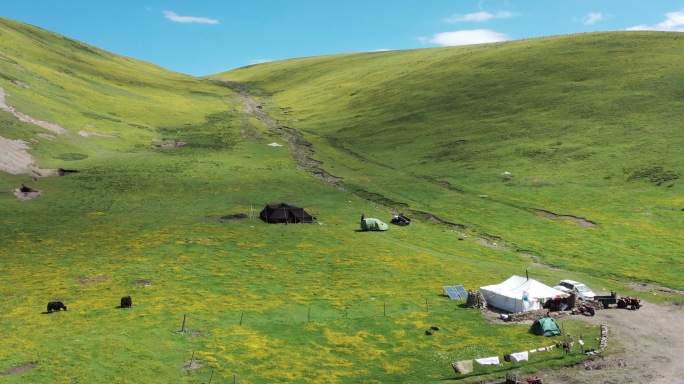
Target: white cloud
593, 18
478, 17
466, 37
674, 22
188, 19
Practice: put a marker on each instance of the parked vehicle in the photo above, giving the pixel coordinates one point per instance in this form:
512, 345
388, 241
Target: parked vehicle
622, 302
607, 300
629, 302
580, 290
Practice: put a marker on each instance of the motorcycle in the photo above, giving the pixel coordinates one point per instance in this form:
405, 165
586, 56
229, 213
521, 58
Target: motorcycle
586, 310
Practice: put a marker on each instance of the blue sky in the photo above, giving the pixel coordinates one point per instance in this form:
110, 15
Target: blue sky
205, 37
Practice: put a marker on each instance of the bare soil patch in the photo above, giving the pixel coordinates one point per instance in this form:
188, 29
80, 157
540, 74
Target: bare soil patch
234, 216
489, 243
92, 280
19, 369
27, 195
191, 365
15, 159
168, 144
88, 134
581, 221
143, 283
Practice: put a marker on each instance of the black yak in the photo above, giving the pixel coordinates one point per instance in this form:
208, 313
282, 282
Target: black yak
55, 306
126, 302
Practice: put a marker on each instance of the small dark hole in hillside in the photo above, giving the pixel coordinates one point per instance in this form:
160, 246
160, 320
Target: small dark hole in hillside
64, 172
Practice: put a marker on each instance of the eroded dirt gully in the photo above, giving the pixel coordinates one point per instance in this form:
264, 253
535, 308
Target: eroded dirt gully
14, 156
645, 345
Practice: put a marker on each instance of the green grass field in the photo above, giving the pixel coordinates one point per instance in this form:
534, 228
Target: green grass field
588, 125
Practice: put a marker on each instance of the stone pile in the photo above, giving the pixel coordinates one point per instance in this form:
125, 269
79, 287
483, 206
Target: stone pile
529, 315
476, 300
603, 341
463, 367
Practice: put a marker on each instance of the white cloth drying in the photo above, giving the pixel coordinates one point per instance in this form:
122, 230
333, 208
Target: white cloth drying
519, 356
494, 360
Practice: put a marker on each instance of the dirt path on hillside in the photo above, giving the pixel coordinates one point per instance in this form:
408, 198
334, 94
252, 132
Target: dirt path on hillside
56, 128
301, 150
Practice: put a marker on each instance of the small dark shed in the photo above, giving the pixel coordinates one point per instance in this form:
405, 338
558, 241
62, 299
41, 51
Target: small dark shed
284, 214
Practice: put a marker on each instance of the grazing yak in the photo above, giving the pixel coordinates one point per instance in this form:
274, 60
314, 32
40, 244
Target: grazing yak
126, 302
55, 306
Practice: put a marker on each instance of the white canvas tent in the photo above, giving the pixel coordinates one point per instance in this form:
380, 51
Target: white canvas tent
519, 294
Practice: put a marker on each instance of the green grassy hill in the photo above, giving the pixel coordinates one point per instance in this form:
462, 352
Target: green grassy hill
587, 125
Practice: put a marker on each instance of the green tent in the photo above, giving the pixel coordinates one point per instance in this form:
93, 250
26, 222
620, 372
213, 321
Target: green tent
545, 326
373, 225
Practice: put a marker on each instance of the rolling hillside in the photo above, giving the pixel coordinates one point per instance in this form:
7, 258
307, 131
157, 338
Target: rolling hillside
587, 125
560, 157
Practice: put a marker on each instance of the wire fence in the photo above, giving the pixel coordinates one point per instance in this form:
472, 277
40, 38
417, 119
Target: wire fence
324, 311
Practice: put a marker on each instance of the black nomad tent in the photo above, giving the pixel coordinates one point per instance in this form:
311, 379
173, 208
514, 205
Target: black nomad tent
285, 214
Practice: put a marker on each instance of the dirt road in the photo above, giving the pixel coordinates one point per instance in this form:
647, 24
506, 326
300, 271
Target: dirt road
646, 346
